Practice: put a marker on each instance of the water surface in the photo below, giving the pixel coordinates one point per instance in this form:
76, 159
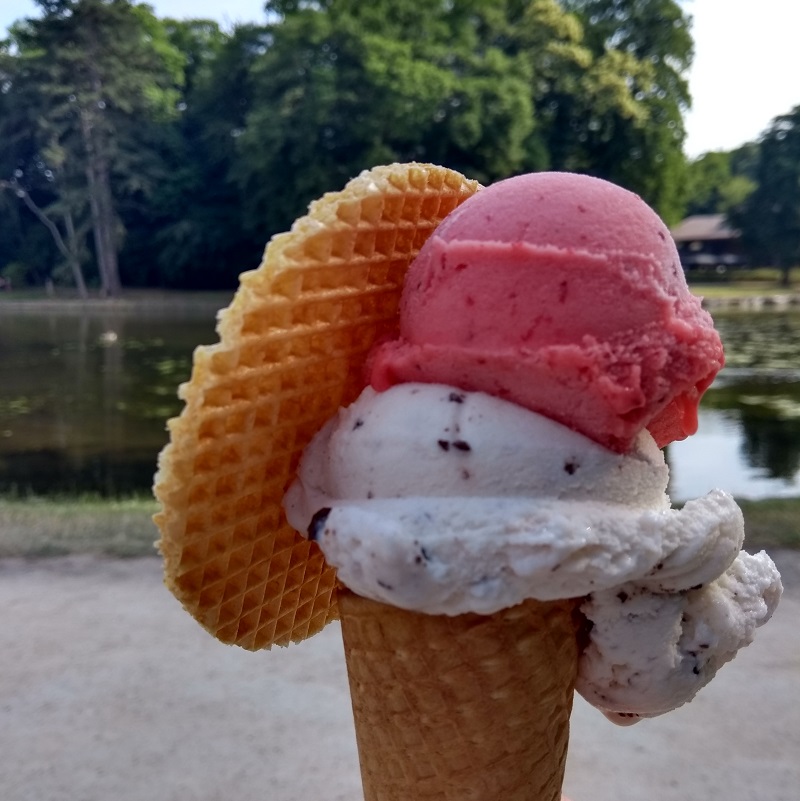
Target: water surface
748, 441
84, 400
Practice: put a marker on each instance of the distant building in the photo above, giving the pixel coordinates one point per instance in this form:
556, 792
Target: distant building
707, 242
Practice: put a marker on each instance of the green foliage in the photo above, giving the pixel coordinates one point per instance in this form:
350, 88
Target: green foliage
744, 161
213, 141
16, 273
769, 218
363, 84
196, 213
489, 88
712, 186
86, 80
647, 45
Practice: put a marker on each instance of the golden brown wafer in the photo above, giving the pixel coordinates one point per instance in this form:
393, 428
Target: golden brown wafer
471, 706
292, 348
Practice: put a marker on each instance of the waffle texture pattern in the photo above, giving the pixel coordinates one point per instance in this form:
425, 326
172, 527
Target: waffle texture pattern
292, 348
467, 707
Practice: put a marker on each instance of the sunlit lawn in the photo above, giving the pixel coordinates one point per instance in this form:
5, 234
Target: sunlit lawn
33, 527
745, 283
743, 289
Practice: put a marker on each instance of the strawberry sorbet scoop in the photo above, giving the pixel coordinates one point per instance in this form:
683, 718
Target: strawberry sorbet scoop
564, 294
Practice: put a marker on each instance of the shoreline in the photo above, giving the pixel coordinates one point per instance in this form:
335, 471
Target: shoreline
136, 302
773, 302
200, 302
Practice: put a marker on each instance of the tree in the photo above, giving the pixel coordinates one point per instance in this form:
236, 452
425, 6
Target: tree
769, 218
197, 177
68, 246
713, 186
488, 87
771, 443
342, 86
89, 74
651, 43
191, 232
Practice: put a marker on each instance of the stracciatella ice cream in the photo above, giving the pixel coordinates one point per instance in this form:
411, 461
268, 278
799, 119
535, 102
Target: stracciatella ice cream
439, 500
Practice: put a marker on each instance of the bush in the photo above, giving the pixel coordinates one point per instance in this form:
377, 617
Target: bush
18, 274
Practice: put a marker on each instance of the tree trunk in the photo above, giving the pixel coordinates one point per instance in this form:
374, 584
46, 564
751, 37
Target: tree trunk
68, 251
101, 200
99, 245
786, 273
108, 226
72, 257
784, 266
101, 208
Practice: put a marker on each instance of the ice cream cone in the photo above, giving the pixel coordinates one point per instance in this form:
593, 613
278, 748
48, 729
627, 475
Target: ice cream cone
466, 707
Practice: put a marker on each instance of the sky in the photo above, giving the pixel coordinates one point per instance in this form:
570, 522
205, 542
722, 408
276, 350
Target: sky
746, 69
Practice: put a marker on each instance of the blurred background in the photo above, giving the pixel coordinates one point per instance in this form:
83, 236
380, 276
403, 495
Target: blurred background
149, 151
148, 155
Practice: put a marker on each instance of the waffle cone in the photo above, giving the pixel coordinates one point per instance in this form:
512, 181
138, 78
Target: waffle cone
467, 707
292, 349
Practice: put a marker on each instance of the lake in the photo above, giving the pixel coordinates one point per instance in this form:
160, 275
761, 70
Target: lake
84, 398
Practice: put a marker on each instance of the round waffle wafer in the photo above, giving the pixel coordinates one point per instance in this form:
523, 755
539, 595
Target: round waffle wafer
292, 348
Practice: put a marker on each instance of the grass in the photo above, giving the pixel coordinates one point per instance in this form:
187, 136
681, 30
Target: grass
39, 527
741, 289
737, 290
743, 283
772, 523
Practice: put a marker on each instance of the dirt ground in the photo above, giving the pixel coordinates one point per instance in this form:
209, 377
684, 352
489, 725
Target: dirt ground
108, 690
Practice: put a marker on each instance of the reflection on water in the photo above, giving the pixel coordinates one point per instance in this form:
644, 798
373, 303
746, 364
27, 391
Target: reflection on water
721, 455
84, 400
748, 440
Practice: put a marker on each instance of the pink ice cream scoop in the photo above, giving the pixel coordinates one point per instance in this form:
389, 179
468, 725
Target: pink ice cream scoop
564, 294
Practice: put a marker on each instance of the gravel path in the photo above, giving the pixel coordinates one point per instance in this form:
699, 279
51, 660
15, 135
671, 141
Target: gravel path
108, 690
